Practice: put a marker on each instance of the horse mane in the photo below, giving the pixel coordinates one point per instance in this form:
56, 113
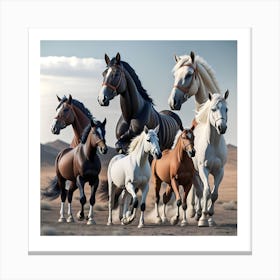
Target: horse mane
204, 70
203, 113
134, 142
78, 104
85, 133
136, 80
176, 139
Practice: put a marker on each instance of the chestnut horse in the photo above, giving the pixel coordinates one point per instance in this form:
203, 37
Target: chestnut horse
80, 165
175, 168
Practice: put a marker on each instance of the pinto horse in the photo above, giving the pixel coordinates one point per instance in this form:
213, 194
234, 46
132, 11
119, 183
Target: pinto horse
136, 106
175, 168
80, 165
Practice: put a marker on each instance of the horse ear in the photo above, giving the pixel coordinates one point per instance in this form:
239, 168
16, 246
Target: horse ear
107, 59
192, 56
58, 98
146, 129
118, 58
69, 99
92, 123
226, 94
210, 95
177, 58
156, 130
104, 122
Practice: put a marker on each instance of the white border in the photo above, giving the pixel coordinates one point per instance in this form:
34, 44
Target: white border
142, 244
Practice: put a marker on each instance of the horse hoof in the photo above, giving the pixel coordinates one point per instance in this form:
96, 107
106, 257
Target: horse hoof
184, 223
91, 222
70, 219
109, 223
62, 220
125, 221
140, 225
80, 217
211, 222
158, 221
203, 223
197, 217
174, 221
164, 220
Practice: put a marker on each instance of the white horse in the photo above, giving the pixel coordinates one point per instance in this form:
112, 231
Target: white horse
211, 154
133, 171
193, 76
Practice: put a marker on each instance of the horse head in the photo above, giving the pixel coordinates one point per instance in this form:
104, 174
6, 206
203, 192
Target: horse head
186, 82
187, 141
114, 81
98, 135
64, 114
218, 111
151, 142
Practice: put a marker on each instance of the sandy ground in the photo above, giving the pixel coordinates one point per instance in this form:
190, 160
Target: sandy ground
225, 214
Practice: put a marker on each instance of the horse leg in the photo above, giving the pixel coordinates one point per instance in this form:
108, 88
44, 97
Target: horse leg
62, 219
184, 205
111, 190
174, 220
130, 188
166, 197
72, 188
204, 173
198, 189
214, 196
143, 205
93, 185
81, 184
157, 184
192, 199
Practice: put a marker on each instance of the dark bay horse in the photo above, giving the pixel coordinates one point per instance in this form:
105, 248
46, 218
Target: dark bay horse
136, 105
80, 165
175, 168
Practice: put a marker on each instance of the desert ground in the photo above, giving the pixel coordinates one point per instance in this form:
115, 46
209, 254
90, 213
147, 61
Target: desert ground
225, 207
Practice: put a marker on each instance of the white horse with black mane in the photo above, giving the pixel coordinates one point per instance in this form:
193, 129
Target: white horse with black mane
133, 171
211, 154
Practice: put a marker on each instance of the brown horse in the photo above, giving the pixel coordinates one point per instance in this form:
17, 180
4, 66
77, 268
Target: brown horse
80, 165
175, 168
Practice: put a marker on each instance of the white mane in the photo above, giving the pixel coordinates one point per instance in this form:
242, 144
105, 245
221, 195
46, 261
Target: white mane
204, 69
135, 141
179, 132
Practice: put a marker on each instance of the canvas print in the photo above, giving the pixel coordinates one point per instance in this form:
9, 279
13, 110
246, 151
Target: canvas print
138, 137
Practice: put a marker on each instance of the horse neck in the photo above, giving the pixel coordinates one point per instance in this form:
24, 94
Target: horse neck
79, 124
211, 133
89, 149
141, 155
206, 84
131, 101
179, 151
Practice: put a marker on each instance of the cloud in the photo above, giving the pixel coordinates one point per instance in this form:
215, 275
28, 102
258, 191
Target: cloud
71, 66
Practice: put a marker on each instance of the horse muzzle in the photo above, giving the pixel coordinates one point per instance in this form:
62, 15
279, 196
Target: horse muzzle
103, 150
191, 153
157, 155
222, 129
55, 128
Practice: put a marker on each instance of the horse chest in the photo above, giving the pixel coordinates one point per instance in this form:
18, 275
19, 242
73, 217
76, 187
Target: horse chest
141, 176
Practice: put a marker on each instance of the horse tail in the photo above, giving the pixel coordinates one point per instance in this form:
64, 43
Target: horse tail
52, 191
174, 116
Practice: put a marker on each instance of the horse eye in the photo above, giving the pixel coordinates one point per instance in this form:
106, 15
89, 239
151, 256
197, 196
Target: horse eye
149, 140
214, 109
226, 109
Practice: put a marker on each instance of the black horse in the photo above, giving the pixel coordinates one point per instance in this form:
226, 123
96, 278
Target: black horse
136, 105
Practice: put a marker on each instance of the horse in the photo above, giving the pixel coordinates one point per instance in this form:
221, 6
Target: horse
211, 154
71, 112
80, 165
136, 105
133, 171
192, 76
175, 168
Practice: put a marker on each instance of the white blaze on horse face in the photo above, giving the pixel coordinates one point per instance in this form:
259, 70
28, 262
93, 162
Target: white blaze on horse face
99, 131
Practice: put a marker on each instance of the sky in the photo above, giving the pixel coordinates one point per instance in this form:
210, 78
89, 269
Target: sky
75, 67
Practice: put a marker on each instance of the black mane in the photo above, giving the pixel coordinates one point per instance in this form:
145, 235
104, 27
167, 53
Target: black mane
135, 78
78, 104
85, 133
